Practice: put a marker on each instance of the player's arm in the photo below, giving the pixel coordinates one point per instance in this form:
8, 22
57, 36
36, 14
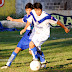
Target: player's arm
63, 26
23, 30
55, 21
29, 21
17, 20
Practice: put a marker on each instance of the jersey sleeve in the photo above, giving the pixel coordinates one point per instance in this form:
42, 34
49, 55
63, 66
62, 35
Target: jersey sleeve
24, 19
30, 19
52, 20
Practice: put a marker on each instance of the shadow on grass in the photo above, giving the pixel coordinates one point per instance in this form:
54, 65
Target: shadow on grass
57, 44
57, 68
5, 53
20, 64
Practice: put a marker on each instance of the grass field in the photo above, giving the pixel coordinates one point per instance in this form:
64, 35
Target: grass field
57, 50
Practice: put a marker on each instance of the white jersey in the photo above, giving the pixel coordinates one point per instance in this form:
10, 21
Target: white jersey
41, 30
24, 19
41, 23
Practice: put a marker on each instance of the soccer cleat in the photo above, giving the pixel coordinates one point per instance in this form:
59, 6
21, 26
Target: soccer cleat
4, 67
43, 64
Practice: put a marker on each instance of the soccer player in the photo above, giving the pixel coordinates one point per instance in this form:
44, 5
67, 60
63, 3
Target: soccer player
41, 30
24, 42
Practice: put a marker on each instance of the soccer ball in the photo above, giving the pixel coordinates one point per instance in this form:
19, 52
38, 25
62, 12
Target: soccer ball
35, 65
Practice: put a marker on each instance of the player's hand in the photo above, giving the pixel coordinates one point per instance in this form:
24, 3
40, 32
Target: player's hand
67, 30
9, 18
22, 31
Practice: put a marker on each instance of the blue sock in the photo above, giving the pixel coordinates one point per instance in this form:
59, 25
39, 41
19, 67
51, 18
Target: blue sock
12, 57
34, 53
42, 58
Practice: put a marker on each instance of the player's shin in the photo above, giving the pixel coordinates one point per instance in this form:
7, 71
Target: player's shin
12, 57
41, 56
42, 59
34, 53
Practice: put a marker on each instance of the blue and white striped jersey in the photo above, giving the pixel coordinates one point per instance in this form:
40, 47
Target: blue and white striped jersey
42, 22
25, 20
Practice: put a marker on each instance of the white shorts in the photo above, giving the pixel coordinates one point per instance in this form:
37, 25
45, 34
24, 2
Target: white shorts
38, 38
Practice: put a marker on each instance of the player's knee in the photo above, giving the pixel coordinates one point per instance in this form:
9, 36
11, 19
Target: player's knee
30, 52
17, 50
31, 45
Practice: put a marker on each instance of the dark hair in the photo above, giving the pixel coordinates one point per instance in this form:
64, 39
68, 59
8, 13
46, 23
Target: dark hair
29, 5
37, 5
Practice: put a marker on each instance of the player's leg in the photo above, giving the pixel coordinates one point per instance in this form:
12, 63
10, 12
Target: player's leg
37, 41
12, 57
41, 57
33, 50
30, 51
22, 45
17, 50
40, 54
38, 48
36, 52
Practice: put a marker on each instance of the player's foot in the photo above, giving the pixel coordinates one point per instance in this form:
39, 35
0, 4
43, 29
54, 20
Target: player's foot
4, 67
43, 64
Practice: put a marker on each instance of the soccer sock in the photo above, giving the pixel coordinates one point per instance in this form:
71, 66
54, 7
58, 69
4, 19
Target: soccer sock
34, 53
42, 58
12, 57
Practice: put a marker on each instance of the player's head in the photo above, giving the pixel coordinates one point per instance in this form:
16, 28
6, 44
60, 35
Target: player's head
38, 8
28, 8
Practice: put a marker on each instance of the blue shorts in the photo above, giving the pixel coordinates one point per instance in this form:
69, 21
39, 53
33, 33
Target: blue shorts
24, 42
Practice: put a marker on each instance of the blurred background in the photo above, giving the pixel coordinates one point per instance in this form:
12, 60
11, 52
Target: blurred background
16, 8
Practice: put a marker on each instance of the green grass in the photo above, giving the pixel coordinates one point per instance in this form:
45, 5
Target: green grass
57, 50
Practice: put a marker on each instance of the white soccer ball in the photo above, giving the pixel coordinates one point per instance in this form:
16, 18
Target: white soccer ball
35, 65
